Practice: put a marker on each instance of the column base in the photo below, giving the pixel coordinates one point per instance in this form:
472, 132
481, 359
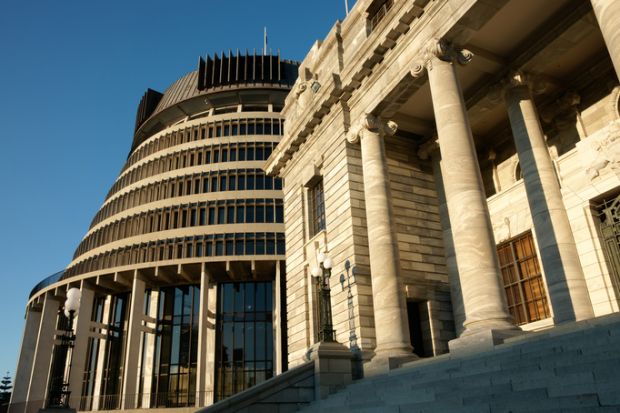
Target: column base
332, 367
480, 341
383, 363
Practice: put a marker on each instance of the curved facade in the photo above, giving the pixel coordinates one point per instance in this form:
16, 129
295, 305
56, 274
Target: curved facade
182, 267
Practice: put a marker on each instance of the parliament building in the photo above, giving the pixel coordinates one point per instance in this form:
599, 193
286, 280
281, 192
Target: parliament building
458, 161
182, 269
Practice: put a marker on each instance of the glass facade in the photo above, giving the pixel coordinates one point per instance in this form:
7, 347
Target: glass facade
176, 347
244, 350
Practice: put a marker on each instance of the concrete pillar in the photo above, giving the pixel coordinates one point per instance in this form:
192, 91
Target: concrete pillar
23, 373
560, 260
389, 301
203, 347
98, 402
132, 353
607, 14
479, 275
209, 386
41, 365
148, 357
80, 347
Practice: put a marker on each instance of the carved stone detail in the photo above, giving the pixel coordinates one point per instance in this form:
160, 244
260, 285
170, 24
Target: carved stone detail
517, 78
371, 123
601, 152
501, 231
446, 51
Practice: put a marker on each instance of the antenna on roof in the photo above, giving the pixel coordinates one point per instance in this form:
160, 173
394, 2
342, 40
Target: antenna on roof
265, 42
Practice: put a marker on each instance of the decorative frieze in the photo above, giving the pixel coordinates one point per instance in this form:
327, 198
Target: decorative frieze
600, 153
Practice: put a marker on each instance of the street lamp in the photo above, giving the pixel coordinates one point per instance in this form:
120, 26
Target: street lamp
59, 394
321, 275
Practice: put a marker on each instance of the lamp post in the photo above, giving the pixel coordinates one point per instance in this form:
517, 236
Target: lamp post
321, 274
59, 394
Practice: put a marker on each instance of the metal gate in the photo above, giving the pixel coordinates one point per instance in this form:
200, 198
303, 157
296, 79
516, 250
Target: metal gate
609, 215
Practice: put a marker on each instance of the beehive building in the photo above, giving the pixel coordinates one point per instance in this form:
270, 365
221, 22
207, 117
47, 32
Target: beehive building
181, 271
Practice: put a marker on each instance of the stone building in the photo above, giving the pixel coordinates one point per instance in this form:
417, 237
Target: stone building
181, 270
459, 161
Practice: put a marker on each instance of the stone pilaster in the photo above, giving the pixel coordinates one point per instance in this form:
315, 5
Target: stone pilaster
560, 260
389, 301
607, 14
474, 245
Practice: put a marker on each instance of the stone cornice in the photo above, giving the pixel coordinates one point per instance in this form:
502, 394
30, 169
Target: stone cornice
337, 85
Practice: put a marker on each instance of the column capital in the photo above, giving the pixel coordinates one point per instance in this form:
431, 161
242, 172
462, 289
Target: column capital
516, 79
445, 51
370, 123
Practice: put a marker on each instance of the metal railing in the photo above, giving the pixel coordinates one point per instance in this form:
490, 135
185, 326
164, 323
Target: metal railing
145, 400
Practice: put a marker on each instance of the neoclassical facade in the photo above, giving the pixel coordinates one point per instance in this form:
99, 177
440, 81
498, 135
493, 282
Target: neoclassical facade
182, 269
459, 161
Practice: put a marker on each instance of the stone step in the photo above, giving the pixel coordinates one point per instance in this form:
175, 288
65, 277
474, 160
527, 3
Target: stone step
569, 369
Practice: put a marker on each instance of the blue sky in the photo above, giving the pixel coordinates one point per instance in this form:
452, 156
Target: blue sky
72, 73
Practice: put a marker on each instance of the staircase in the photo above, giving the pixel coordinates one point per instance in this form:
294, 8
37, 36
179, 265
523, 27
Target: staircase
570, 368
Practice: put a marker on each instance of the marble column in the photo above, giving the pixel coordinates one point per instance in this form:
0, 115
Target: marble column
80, 347
560, 260
474, 245
607, 14
389, 301
23, 372
37, 392
132, 353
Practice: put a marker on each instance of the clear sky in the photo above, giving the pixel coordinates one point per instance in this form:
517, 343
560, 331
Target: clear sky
72, 73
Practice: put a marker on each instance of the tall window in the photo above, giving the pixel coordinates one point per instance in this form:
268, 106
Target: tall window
244, 350
176, 347
316, 204
523, 283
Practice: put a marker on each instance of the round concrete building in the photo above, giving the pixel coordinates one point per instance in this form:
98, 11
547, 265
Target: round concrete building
181, 271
